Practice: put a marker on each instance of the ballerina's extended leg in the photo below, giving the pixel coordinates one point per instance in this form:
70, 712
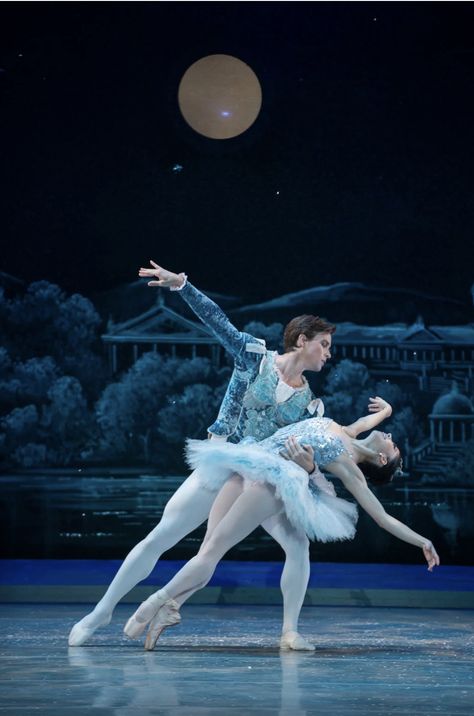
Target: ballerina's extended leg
256, 504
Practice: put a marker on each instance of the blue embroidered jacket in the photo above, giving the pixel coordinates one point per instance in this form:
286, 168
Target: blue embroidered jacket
249, 406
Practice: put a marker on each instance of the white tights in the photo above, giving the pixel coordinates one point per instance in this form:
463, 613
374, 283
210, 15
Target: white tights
188, 508
235, 515
295, 574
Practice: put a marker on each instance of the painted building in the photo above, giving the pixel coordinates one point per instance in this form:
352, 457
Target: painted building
160, 329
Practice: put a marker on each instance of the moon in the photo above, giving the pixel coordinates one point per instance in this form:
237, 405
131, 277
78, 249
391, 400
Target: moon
220, 96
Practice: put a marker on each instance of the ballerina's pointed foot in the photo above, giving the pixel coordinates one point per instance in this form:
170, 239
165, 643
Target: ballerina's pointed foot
84, 629
139, 621
292, 641
167, 616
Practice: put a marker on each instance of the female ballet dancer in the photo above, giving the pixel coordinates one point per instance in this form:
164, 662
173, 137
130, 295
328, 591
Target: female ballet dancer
274, 484
267, 390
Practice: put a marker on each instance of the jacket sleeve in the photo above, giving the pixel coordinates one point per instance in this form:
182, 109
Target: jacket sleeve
233, 340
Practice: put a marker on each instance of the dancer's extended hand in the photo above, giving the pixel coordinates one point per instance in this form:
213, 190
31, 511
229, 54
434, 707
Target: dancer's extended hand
303, 455
431, 555
165, 279
376, 405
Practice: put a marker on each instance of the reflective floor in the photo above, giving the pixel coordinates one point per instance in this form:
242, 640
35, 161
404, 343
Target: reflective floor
225, 661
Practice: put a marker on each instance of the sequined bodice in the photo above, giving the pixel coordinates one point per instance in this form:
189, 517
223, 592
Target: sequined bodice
261, 413
313, 431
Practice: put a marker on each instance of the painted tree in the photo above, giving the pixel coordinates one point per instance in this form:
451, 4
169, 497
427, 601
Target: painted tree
128, 411
187, 415
25, 382
343, 386
65, 421
272, 334
46, 322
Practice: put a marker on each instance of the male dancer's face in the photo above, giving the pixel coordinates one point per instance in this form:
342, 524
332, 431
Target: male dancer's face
316, 351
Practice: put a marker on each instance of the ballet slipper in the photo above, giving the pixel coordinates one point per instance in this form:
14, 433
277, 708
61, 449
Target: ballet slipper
139, 621
167, 616
81, 631
292, 641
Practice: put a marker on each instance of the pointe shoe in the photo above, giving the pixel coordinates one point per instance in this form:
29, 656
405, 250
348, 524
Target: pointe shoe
139, 621
167, 616
292, 641
80, 633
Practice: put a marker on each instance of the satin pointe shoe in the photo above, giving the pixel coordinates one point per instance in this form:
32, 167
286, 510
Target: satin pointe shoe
292, 641
167, 616
82, 631
139, 621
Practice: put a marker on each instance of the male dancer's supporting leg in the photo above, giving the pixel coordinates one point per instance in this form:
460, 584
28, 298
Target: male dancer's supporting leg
188, 508
294, 578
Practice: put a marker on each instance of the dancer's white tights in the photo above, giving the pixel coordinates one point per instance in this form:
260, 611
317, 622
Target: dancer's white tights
295, 574
255, 505
188, 508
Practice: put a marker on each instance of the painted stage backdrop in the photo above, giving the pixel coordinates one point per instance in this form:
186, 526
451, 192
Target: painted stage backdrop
98, 393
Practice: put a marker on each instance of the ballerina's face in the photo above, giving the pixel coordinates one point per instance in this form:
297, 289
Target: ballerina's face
383, 443
316, 351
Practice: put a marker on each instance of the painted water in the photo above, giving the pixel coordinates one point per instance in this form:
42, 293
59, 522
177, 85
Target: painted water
72, 516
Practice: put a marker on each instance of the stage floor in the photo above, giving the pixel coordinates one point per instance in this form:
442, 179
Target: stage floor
224, 661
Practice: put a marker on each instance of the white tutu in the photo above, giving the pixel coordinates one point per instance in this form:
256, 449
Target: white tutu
321, 515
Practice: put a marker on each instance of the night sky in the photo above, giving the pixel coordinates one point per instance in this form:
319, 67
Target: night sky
358, 168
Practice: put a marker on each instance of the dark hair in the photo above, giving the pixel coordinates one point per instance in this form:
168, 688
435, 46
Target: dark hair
381, 474
306, 324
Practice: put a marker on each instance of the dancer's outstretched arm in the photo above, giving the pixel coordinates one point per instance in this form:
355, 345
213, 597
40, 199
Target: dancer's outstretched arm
379, 409
206, 310
354, 481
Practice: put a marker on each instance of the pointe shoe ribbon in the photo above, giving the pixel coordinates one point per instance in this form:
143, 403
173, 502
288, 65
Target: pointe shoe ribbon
139, 621
167, 616
292, 641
